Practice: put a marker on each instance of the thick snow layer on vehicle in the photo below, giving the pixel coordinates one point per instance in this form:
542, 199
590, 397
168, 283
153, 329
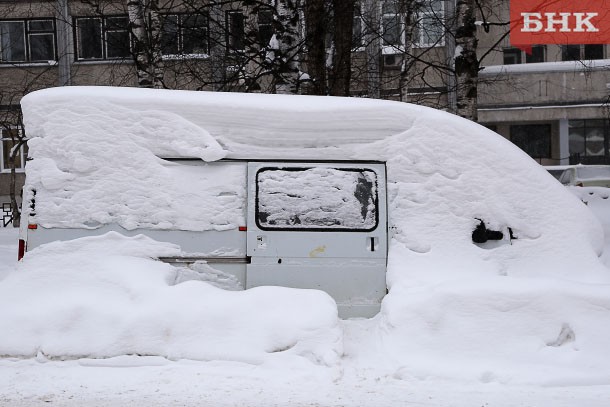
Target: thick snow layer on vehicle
531, 309
104, 296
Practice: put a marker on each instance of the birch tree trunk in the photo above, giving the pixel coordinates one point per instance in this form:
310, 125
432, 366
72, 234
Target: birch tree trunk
466, 62
289, 40
145, 25
408, 9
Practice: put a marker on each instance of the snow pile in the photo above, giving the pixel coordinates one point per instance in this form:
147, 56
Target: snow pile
532, 308
597, 200
105, 296
501, 330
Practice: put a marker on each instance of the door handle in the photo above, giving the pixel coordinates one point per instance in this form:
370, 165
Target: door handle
372, 243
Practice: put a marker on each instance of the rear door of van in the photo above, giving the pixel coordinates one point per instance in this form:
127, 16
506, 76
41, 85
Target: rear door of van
320, 225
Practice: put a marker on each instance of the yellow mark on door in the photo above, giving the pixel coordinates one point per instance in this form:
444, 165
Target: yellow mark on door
317, 250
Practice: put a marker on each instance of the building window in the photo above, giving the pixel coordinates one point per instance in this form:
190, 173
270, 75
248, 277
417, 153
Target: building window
582, 52
535, 55
27, 40
235, 30
588, 138
102, 37
534, 139
570, 52
593, 51
357, 33
392, 25
265, 27
184, 34
512, 56
429, 29
9, 139
116, 37
515, 55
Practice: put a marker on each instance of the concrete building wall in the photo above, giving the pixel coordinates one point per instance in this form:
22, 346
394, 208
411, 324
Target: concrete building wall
571, 96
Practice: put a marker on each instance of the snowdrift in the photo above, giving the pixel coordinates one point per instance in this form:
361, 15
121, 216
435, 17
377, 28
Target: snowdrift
105, 296
532, 310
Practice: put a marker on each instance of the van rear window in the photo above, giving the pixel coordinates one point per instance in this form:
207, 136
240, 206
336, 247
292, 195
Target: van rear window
316, 199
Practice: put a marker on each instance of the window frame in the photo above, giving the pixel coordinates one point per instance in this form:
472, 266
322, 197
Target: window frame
427, 11
548, 139
542, 48
588, 124
386, 47
582, 52
262, 42
181, 33
566, 54
523, 57
27, 34
231, 38
510, 52
19, 167
108, 28
358, 42
315, 229
105, 28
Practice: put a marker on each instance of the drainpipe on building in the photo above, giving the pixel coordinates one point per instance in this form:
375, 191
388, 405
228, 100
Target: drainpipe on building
64, 43
564, 142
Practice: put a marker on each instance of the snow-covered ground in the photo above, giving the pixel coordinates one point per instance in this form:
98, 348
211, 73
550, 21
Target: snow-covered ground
362, 378
98, 321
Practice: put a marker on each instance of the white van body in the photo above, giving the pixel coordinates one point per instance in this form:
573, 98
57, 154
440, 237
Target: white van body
319, 225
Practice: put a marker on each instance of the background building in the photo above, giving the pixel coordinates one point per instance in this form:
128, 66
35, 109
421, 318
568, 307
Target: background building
551, 102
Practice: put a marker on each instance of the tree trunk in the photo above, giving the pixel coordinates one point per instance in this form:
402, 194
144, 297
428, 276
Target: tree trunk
466, 62
316, 27
145, 25
287, 77
341, 72
373, 48
408, 9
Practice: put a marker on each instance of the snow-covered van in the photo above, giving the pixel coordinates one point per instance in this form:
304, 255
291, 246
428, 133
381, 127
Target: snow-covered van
299, 191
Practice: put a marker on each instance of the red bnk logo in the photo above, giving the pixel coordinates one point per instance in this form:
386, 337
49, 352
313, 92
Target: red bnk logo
559, 22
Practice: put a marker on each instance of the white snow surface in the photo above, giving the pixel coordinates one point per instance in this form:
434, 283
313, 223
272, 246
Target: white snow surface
533, 311
115, 300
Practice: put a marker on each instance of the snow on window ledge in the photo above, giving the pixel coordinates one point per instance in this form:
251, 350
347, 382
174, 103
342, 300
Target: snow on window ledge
177, 57
559, 66
15, 64
127, 61
8, 171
